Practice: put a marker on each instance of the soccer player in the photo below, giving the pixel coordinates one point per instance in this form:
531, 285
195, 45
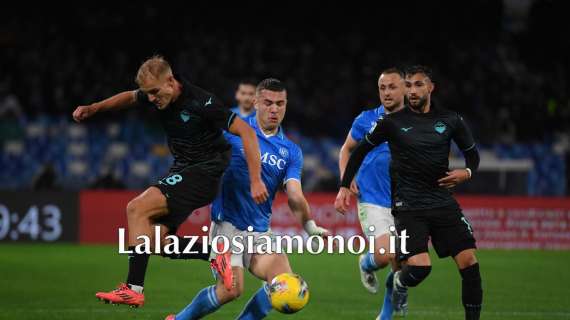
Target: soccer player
233, 211
419, 138
245, 94
372, 185
193, 120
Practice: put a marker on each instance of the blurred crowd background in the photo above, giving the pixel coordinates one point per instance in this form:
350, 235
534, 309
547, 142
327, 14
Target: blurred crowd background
504, 65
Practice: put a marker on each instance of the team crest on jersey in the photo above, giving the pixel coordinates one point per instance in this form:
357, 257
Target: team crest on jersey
440, 127
283, 152
185, 115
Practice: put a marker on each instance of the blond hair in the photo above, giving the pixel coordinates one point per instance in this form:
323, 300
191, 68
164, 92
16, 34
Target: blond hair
154, 67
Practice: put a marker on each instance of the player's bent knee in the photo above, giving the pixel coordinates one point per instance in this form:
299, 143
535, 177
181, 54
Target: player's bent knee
470, 260
465, 259
383, 260
133, 208
138, 209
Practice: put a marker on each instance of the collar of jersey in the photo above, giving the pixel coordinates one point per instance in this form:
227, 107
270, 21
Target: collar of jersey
431, 111
253, 124
185, 89
380, 110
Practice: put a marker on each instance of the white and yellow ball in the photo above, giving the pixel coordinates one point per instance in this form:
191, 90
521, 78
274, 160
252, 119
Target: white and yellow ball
288, 293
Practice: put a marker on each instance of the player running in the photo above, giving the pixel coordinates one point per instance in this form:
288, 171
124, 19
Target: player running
372, 186
419, 138
245, 95
233, 211
193, 120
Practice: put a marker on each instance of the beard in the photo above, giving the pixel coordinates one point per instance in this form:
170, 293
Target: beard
419, 105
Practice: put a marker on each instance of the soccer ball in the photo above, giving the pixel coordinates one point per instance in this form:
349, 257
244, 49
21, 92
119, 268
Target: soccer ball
288, 293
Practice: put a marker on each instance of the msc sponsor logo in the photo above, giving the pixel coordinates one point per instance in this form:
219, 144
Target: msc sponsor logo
273, 160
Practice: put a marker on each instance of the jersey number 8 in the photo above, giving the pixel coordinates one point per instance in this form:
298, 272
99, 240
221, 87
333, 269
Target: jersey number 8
174, 179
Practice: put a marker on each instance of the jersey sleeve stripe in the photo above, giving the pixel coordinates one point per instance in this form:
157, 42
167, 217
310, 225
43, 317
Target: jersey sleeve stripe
285, 181
368, 140
472, 146
231, 119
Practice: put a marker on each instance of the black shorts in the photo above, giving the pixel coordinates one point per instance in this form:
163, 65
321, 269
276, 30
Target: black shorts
448, 228
186, 190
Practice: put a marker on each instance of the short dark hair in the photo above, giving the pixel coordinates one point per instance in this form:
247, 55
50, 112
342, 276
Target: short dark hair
395, 70
247, 82
270, 84
410, 71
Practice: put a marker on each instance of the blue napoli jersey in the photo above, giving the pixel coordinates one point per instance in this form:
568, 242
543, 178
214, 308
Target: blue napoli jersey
373, 177
242, 116
281, 161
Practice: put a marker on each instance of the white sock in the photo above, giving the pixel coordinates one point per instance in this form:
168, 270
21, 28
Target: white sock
137, 289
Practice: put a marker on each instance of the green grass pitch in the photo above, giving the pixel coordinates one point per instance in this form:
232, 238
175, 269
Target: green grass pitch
59, 282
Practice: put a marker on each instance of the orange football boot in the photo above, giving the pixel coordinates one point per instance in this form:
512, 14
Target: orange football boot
122, 295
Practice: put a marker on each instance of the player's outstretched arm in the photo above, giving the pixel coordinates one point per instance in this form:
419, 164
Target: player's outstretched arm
118, 101
253, 158
345, 151
300, 208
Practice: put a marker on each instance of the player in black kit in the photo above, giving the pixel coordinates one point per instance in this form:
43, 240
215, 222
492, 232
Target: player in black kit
193, 120
419, 138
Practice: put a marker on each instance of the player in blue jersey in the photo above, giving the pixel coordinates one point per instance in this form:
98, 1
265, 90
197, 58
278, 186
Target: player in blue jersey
373, 187
245, 95
235, 215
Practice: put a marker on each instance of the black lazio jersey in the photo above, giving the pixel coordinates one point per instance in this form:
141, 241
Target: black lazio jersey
420, 145
193, 126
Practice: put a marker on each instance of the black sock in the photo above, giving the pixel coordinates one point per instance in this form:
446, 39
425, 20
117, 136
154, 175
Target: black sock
471, 292
411, 276
137, 267
182, 244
